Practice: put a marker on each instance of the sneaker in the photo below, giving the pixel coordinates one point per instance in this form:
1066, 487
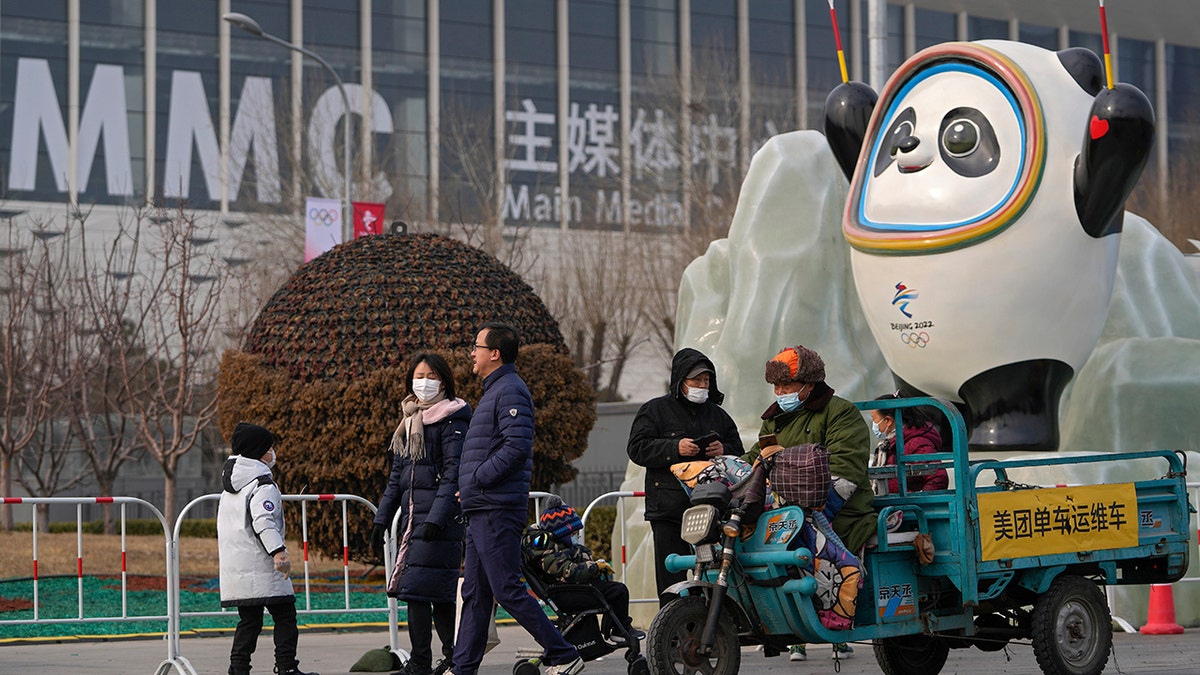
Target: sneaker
294, 670
798, 653
842, 651
411, 668
566, 668
618, 638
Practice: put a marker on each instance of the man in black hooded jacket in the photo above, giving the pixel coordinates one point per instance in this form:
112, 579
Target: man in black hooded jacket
663, 433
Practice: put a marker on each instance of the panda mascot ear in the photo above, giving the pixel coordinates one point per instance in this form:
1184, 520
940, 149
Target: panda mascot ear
847, 111
1116, 144
1085, 67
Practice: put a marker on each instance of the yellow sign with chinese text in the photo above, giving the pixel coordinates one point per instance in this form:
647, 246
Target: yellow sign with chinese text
1057, 520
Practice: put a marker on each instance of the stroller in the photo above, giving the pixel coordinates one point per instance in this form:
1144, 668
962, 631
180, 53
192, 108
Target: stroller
579, 608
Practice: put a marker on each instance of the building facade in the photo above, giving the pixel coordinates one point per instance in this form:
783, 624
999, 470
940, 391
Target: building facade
617, 114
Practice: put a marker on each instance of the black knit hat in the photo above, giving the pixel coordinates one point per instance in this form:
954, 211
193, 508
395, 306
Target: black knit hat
251, 440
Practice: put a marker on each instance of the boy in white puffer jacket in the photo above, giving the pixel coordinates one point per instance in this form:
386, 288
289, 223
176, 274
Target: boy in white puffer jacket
254, 559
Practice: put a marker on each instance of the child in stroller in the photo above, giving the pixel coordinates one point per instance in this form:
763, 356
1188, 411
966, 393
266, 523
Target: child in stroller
562, 573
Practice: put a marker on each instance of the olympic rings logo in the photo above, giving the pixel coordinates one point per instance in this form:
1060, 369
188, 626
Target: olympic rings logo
915, 339
324, 217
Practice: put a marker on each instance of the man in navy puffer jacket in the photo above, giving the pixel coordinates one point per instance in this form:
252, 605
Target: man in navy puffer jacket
493, 485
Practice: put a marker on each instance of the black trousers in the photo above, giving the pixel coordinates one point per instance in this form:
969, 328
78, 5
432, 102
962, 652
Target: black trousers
617, 595
245, 638
423, 618
666, 542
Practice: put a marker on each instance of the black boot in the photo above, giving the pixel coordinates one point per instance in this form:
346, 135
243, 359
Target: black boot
294, 670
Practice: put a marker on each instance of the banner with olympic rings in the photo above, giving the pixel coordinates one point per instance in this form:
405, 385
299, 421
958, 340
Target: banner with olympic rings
322, 226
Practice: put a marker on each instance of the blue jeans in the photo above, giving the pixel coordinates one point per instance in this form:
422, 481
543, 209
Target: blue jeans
493, 570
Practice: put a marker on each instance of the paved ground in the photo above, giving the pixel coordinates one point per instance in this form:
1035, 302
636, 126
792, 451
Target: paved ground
332, 653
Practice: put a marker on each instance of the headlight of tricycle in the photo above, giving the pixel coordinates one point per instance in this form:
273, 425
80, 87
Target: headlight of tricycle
700, 525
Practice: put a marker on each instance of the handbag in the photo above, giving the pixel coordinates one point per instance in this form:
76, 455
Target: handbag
801, 475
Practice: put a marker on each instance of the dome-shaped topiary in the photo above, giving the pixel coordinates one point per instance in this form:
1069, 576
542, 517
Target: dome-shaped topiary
324, 365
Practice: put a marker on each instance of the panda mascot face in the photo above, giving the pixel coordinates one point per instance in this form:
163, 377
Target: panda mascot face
987, 183
955, 153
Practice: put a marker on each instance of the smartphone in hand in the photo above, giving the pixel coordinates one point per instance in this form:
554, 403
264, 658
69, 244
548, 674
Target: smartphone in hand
704, 441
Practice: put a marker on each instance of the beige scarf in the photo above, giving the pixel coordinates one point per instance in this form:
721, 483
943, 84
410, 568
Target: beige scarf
409, 437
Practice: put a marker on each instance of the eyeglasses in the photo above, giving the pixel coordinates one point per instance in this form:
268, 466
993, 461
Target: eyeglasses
474, 347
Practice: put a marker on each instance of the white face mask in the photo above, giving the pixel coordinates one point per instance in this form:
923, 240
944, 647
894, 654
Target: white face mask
697, 395
426, 389
270, 464
577, 537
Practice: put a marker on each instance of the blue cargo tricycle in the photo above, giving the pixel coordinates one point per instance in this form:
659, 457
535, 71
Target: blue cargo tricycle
1009, 561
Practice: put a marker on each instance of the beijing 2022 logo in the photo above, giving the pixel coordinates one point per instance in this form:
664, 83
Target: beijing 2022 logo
913, 334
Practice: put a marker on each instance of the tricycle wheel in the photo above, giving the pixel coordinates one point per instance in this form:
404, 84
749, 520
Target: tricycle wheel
911, 654
526, 667
1072, 628
639, 666
674, 641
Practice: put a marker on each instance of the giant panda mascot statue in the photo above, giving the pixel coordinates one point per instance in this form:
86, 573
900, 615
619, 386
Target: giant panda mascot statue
987, 190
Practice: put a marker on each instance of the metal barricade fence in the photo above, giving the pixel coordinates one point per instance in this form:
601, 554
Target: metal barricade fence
171, 573
391, 608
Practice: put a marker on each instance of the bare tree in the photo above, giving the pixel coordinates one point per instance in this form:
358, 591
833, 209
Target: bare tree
164, 326
27, 382
100, 417
45, 466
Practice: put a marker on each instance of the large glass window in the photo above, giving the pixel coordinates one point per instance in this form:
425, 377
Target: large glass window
401, 77
187, 104
1183, 85
979, 28
934, 28
715, 106
772, 71
466, 156
1183, 140
1090, 41
1042, 36
113, 89
653, 31
895, 38
261, 153
33, 63
593, 119
1135, 59
531, 112
821, 55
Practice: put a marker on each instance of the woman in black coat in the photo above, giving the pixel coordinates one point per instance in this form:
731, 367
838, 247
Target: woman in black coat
422, 486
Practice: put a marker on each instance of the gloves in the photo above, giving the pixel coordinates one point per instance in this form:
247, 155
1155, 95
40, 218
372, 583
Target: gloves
605, 568
377, 532
429, 531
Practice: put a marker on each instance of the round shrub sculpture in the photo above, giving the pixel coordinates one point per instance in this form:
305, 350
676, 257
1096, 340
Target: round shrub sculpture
324, 363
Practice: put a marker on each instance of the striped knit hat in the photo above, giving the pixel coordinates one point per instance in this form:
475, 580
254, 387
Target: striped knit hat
559, 519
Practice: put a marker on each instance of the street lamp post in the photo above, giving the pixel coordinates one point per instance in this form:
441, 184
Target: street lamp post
251, 26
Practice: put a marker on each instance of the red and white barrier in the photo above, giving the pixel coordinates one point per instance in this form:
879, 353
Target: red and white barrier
174, 661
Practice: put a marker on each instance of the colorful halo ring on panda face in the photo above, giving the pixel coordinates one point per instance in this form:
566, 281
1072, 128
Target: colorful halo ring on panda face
881, 213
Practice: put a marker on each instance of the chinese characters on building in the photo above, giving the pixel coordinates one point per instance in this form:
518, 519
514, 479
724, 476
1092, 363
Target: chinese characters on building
593, 158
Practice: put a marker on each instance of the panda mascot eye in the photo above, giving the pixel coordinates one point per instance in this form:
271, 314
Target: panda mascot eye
968, 143
961, 138
902, 127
